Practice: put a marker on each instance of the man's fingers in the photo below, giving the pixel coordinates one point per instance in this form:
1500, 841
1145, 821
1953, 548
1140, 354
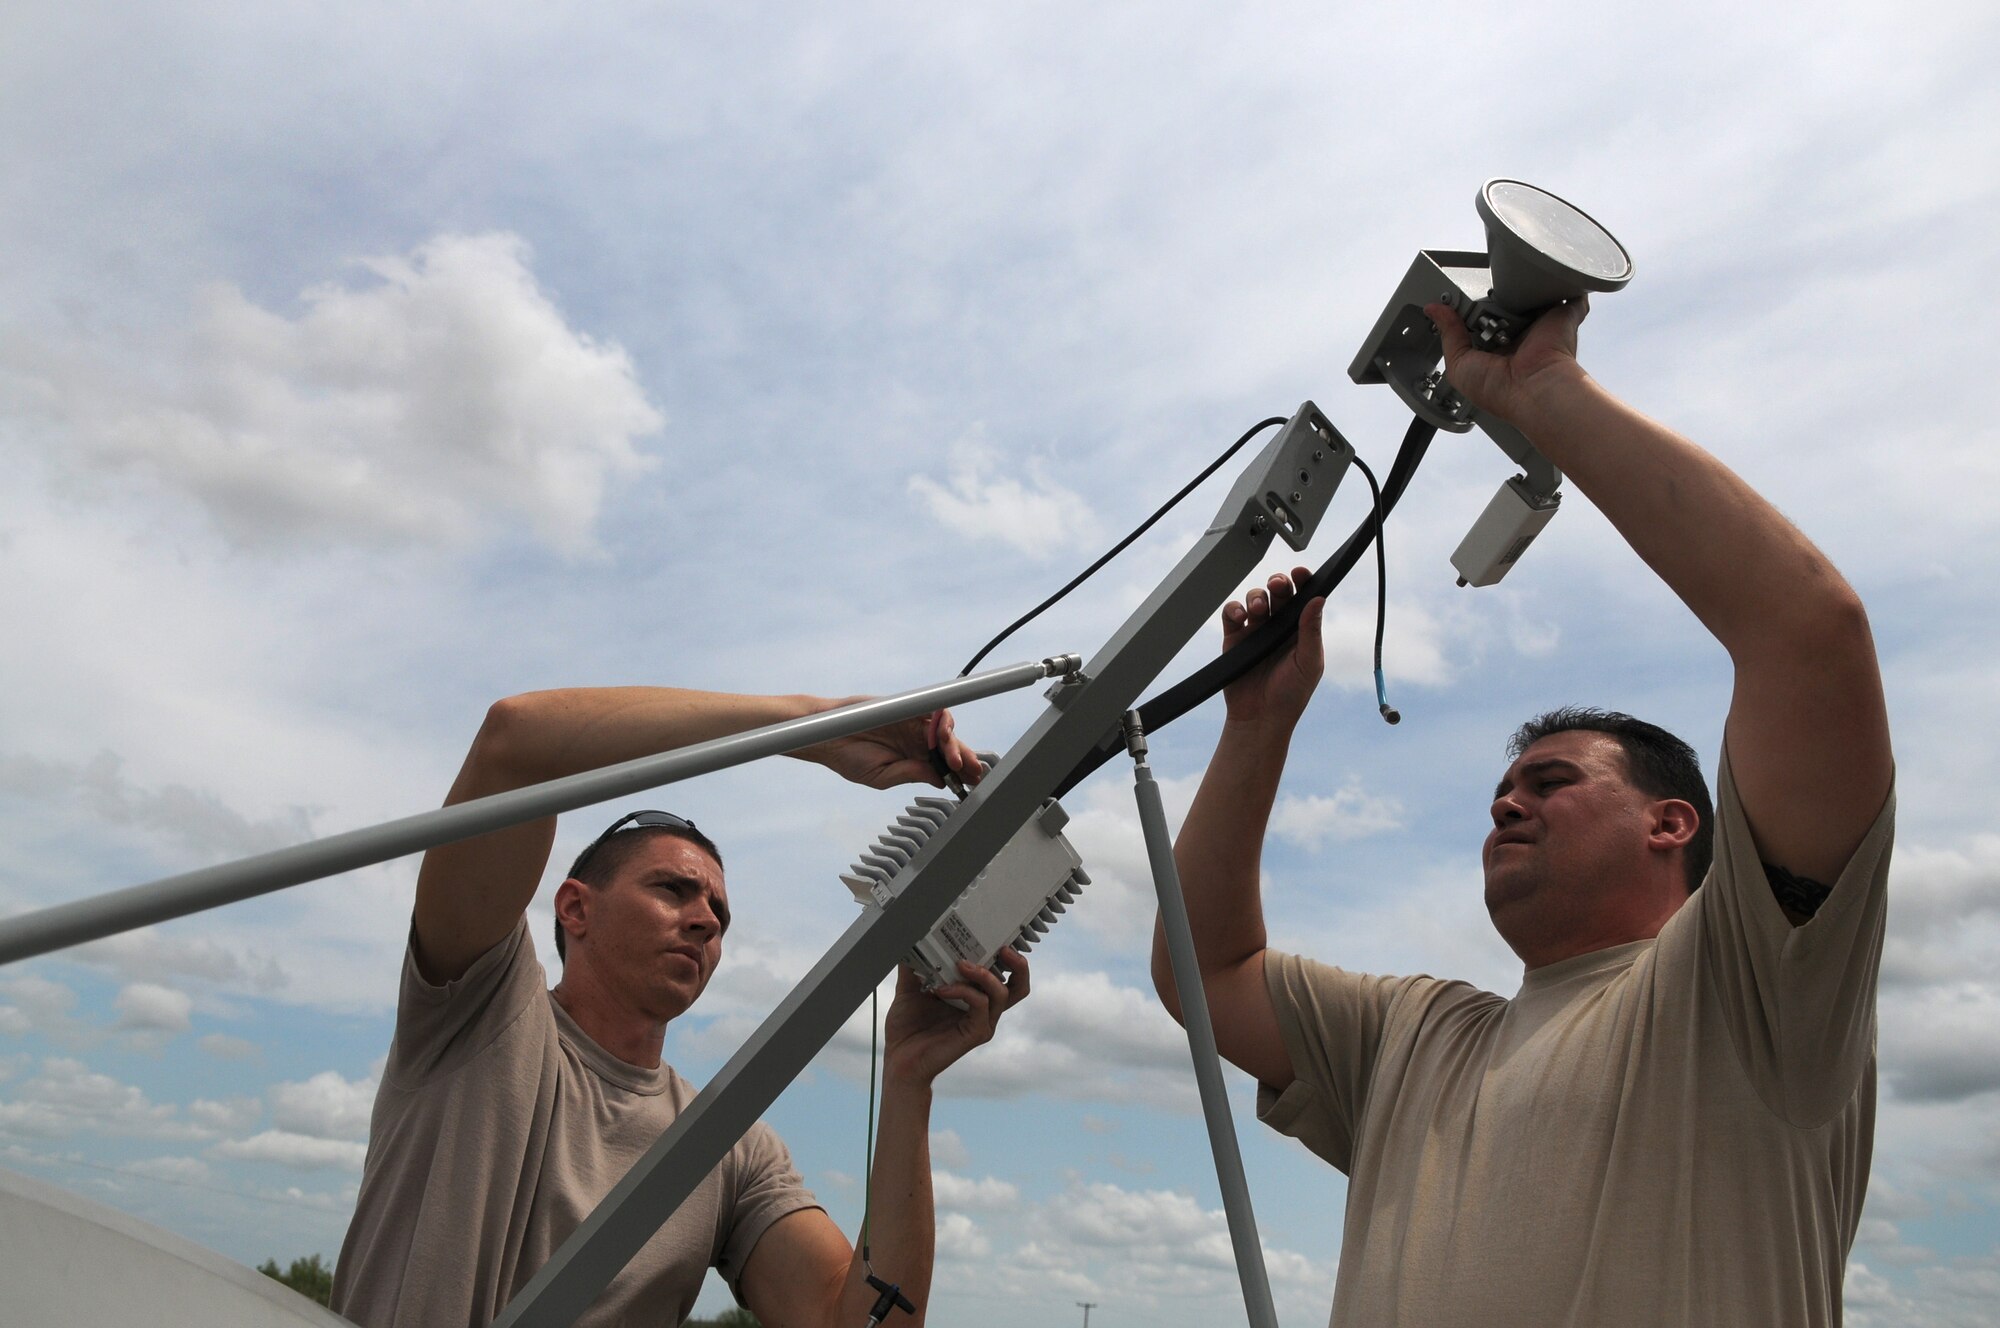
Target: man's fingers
1311, 647
1235, 620
1451, 329
1280, 588
1016, 965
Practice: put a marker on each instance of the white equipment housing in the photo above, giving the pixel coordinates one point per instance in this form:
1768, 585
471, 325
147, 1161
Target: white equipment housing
1013, 902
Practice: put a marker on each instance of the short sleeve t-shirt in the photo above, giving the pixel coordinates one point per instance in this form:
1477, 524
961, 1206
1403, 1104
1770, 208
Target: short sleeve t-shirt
1674, 1131
498, 1127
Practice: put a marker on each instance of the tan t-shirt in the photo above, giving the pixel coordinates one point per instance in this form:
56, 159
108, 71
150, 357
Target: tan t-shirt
1675, 1131
498, 1127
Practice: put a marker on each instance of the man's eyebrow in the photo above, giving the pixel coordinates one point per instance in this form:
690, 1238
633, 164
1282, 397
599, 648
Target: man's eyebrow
1533, 768
689, 881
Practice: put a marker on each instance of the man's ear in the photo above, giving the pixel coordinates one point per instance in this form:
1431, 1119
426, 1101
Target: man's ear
573, 908
1673, 825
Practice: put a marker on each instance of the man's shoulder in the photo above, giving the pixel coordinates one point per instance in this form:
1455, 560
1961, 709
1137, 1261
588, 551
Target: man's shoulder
1411, 1000
440, 1026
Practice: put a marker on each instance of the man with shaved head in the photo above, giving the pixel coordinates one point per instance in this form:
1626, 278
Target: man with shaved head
1670, 1122
508, 1110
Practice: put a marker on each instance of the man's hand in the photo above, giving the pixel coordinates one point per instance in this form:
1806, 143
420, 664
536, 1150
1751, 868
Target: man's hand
1507, 385
1279, 688
896, 753
925, 1035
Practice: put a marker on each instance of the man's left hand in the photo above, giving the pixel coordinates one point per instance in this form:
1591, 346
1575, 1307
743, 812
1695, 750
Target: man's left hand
1507, 385
925, 1035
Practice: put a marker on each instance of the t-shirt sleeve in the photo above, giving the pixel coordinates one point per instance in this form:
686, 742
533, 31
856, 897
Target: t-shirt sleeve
1800, 1001
1332, 1021
767, 1187
440, 1027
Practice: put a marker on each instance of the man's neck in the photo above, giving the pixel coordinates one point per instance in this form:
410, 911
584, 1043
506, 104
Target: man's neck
631, 1035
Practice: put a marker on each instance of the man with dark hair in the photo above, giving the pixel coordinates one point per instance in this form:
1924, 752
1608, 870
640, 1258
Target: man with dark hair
508, 1110
1656, 762
1671, 1121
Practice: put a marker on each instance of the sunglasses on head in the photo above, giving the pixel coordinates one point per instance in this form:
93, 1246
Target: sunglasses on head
633, 821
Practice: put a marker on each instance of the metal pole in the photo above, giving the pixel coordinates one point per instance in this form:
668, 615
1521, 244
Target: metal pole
1082, 716
1201, 1036
1087, 1306
210, 887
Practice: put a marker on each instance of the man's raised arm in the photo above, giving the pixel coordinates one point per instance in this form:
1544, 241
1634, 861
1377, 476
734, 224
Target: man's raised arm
470, 894
1808, 732
1222, 841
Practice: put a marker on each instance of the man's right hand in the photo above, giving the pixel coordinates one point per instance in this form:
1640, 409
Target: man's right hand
1278, 689
896, 753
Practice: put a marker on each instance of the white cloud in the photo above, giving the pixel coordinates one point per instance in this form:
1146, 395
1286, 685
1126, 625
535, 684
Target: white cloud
178, 1170
1148, 1245
962, 1193
226, 1117
445, 395
228, 1047
948, 1150
327, 1106
147, 954
1942, 1043
1120, 902
959, 1239
147, 1007
1960, 1293
1879, 1238
196, 819
40, 1005
298, 1151
1081, 1037
1310, 820
1039, 517
68, 1096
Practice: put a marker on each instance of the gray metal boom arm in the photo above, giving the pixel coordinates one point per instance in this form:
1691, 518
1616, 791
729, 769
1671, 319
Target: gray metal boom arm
210, 887
1284, 491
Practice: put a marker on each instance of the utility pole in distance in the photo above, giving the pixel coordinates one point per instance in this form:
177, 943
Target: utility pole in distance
1088, 1306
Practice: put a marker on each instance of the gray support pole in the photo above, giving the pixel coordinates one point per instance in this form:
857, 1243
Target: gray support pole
1272, 495
1201, 1036
210, 887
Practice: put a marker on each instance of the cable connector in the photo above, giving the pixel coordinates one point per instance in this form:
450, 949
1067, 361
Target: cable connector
891, 1299
1389, 712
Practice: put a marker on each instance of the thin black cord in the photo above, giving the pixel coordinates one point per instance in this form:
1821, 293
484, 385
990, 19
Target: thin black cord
1121, 546
1278, 629
868, 1150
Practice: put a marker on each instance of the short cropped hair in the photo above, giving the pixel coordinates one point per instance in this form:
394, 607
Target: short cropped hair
1659, 765
599, 864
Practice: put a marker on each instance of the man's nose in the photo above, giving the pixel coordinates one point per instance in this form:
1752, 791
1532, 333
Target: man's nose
1505, 809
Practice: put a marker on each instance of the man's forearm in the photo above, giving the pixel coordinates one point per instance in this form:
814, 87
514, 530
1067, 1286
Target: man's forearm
1221, 845
1755, 581
902, 1228
546, 735
1807, 733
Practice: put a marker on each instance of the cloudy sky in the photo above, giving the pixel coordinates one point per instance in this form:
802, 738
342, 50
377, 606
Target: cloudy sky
362, 364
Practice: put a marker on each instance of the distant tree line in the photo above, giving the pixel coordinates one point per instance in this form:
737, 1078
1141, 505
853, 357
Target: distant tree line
310, 1277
